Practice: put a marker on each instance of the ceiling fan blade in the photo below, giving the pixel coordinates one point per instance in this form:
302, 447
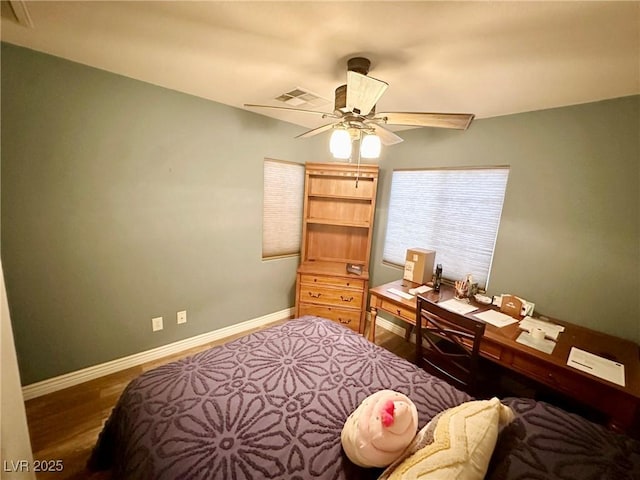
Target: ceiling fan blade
387, 137
363, 92
459, 121
290, 109
315, 131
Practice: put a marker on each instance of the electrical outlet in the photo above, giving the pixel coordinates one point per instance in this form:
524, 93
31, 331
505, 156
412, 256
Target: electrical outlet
182, 316
156, 324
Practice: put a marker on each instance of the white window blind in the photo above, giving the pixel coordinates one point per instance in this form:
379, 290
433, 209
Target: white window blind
282, 208
455, 212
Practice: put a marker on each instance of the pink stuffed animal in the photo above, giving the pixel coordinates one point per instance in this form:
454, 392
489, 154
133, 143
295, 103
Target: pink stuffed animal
379, 430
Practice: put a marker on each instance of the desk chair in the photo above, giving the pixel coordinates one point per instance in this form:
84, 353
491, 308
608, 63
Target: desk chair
448, 344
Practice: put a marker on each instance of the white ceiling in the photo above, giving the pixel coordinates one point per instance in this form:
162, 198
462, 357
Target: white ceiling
487, 58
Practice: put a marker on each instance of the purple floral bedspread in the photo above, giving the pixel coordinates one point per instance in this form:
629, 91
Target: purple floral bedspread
271, 405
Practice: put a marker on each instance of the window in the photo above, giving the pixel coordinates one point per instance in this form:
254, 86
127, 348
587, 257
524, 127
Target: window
455, 212
282, 208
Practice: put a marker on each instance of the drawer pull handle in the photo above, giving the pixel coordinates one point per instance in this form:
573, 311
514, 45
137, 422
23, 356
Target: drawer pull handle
348, 284
398, 310
346, 299
346, 322
317, 295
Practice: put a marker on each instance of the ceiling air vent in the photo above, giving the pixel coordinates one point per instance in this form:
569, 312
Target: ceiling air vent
301, 98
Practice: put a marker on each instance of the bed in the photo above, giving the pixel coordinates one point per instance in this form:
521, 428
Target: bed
272, 404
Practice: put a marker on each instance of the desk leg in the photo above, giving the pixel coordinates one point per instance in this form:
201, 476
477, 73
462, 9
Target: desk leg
408, 331
372, 328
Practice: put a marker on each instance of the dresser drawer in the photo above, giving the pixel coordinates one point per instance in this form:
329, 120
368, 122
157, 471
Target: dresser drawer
331, 296
332, 281
346, 318
399, 311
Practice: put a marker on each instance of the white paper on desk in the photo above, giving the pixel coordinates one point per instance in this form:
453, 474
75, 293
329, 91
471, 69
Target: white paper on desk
400, 293
544, 345
551, 330
457, 306
599, 366
420, 289
495, 318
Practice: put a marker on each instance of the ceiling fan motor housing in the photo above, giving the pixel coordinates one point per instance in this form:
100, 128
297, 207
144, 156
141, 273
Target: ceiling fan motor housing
359, 65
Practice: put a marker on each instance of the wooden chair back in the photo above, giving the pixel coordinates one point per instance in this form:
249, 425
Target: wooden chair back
448, 344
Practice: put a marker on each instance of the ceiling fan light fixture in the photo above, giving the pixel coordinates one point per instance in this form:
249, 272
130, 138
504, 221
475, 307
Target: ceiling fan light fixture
370, 146
340, 144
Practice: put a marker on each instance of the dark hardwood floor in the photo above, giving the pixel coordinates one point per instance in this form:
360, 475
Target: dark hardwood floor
64, 425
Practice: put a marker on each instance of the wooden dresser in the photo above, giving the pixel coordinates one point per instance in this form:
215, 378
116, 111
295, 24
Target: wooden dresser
339, 207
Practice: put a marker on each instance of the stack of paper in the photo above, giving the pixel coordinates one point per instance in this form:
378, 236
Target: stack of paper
544, 345
457, 306
420, 289
551, 330
400, 293
595, 365
495, 318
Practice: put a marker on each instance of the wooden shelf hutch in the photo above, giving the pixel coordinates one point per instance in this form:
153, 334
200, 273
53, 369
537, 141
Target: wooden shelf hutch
339, 208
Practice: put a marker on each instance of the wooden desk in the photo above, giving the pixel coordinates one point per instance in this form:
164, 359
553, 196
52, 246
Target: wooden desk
619, 404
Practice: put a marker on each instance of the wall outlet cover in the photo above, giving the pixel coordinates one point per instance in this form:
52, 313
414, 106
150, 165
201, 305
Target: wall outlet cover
156, 324
182, 316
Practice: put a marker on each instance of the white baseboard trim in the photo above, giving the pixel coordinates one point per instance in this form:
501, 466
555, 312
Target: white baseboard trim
90, 373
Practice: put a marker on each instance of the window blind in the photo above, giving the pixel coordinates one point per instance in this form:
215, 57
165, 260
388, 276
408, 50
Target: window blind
455, 212
282, 208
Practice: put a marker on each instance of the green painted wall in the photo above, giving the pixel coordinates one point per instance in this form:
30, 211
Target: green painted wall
122, 201
569, 238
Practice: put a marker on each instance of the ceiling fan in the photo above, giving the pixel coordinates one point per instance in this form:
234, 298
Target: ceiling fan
355, 115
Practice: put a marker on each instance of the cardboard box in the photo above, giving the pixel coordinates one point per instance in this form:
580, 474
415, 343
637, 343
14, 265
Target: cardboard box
418, 266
